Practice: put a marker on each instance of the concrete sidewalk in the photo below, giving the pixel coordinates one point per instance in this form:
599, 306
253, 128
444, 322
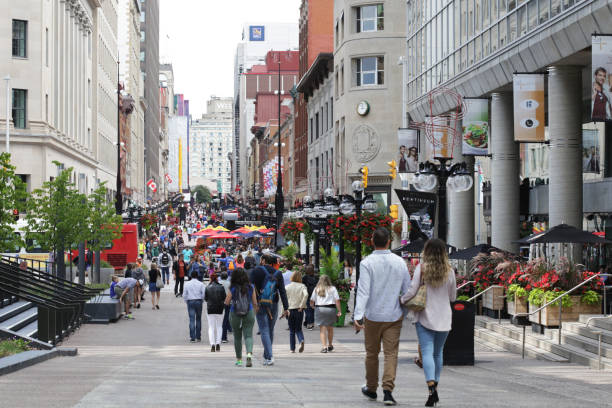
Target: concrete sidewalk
150, 362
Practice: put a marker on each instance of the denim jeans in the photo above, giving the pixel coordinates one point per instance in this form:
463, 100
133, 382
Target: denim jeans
194, 308
432, 347
295, 327
165, 274
266, 328
226, 324
309, 315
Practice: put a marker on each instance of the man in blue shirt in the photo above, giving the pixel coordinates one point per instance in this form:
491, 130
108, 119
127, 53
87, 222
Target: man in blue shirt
187, 252
266, 317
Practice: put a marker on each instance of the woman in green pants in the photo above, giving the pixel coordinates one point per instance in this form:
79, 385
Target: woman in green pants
243, 306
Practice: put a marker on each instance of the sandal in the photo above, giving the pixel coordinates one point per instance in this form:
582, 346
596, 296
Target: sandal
418, 362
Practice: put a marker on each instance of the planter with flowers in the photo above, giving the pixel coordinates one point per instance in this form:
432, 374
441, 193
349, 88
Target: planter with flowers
350, 227
293, 227
490, 270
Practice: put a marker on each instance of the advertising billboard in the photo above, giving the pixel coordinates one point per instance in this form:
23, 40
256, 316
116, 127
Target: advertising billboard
408, 151
257, 33
529, 109
601, 99
475, 130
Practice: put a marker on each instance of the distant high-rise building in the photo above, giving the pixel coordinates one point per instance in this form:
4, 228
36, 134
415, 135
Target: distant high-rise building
149, 67
257, 40
210, 145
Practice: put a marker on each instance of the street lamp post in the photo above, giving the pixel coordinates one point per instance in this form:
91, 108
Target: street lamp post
431, 176
8, 112
119, 197
280, 201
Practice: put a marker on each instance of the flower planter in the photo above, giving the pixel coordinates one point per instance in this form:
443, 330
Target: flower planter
590, 309
493, 299
549, 316
517, 305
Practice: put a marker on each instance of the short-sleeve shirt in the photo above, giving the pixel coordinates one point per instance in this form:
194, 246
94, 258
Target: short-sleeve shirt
126, 283
329, 299
187, 254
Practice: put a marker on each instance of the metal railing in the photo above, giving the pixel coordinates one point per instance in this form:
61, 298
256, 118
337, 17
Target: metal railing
60, 302
559, 299
598, 333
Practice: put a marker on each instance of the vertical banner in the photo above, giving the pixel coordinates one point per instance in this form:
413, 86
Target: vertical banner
601, 99
475, 130
421, 211
408, 157
529, 108
438, 129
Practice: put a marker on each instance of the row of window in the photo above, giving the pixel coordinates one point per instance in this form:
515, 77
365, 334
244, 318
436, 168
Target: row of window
367, 18
460, 33
367, 71
323, 167
322, 121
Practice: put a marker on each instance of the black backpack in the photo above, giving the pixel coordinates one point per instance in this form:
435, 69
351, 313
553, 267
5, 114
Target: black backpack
165, 258
241, 302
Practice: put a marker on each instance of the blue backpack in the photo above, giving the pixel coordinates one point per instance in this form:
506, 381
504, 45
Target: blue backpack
266, 298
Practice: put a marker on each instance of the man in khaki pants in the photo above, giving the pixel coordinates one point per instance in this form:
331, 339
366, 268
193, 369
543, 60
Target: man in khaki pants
383, 279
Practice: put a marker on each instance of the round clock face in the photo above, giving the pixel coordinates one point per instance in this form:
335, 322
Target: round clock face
363, 108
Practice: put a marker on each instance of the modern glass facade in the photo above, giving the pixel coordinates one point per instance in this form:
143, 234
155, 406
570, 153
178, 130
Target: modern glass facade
446, 37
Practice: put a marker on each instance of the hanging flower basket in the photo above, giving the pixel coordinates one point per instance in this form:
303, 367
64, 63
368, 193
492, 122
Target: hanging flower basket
293, 227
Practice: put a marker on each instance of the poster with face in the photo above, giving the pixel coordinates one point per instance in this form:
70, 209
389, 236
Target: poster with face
475, 130
529, 108
408, 151
590, 151
601, 92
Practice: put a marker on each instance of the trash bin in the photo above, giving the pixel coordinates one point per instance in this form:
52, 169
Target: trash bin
459, 347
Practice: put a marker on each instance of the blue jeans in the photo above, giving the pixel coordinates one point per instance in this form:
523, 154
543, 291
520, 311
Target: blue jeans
226, 323
166, 274
295, 327
194, 308
309, 315
266, 328
432, 346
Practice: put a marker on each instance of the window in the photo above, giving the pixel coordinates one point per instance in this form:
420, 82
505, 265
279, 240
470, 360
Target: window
142, 56
47, 108
19, 108
20, 34
370, 18
369, 71
46, 47
311, 129
317, 125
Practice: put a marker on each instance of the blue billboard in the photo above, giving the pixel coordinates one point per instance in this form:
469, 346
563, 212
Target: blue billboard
257, 33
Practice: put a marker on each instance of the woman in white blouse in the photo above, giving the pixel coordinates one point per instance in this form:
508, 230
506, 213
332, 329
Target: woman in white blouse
326, 302
434, 322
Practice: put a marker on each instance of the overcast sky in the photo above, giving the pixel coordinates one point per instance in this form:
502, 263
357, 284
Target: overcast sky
199, 38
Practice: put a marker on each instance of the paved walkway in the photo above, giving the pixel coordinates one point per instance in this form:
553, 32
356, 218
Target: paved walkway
148, 362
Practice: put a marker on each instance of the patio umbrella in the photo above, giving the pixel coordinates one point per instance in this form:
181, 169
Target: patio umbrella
469, 253
204, 232
415, 246
564, 234
220, 228
223, 235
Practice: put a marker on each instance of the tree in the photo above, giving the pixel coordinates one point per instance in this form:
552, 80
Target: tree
104, 225
58, 216
12, 191
202, 194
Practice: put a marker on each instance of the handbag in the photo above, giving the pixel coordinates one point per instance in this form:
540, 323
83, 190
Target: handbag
418, 302
159, 283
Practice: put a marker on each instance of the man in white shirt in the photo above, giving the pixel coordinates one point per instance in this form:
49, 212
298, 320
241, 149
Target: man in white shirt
193, 294
384, 278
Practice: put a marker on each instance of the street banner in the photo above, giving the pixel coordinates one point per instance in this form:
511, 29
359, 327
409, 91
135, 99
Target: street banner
421, 211
408, 157
590, 151
475, 130
529, 108
441, 134
168, 179
601, 92
152, 185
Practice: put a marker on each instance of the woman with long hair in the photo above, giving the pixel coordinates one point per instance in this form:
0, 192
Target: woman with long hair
214, 297
297, 296
326, 302
434, 322
239, 263
243, 306
154, 273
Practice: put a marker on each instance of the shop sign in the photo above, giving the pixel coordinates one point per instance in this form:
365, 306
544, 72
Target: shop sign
421, 211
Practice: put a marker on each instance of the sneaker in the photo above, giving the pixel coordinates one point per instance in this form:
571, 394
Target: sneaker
218, 347
138, 306
157, 307
265, 362
301, 350
129, 317
324, 350
388, 399
239, 363
224, 341
199, 340
271, 361
330, 348
371, 395
192, 341
249, 361
212, 349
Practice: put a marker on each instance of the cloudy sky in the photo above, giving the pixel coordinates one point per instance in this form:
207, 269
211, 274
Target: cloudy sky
199, 38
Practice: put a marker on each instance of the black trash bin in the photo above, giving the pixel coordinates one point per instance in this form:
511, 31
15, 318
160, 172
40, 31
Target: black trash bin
459, 347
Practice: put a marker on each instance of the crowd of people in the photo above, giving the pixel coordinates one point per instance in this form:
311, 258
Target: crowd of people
243, 283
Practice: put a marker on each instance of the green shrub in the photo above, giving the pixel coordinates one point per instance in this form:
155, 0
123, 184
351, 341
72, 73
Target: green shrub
105, 264
517, 290
590, 297
463, 298
10, 347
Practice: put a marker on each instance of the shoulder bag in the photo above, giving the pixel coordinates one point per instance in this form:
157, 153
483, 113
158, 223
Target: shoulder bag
159, 282
418, 302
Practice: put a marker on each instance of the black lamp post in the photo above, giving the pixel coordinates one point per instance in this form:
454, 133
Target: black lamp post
431, 176
280, 200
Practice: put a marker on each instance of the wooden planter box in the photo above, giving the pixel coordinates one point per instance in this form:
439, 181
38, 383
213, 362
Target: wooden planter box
493, 299
590, 309
517, 305
550, 316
